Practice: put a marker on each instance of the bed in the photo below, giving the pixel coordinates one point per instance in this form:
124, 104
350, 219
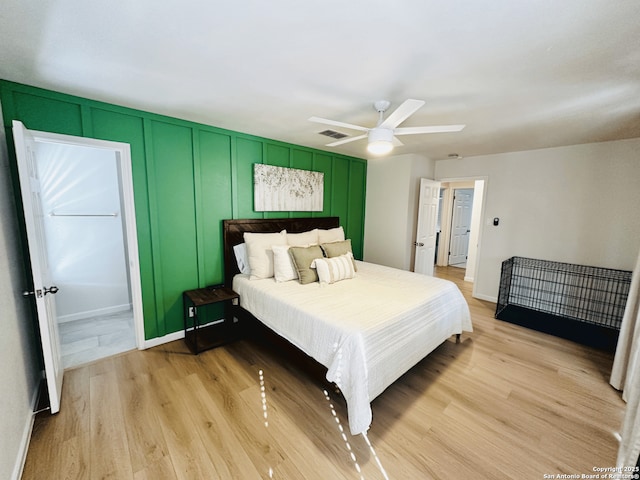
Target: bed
364, 331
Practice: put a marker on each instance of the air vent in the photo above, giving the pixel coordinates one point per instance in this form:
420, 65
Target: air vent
333, 134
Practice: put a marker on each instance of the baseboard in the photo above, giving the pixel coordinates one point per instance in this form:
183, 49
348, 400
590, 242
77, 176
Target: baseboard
26, 436
94, 313
488, 298
468, 279
171, 337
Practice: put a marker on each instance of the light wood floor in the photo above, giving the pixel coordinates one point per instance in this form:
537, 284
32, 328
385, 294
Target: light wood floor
506, 403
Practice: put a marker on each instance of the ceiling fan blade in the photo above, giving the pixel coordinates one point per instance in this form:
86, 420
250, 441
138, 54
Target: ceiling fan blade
396, 142
338, 124
434, 129
401, 113
346, 140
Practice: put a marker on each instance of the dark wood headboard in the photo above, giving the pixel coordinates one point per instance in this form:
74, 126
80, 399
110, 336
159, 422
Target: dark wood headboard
233, 231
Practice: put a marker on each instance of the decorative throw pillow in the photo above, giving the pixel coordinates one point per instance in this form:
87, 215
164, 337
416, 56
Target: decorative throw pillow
260, 252
331, 235
302, 258
283, 267
331, 270
335, 249
242, 261
303, 239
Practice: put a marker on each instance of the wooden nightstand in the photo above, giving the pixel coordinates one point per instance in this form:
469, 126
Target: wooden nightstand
200, 337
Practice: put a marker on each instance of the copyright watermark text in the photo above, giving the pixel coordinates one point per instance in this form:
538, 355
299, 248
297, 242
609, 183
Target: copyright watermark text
621, 473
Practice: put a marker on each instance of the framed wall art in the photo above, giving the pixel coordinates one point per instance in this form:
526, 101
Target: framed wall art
279, 189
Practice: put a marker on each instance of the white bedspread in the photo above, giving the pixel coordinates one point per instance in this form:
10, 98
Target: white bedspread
367, 331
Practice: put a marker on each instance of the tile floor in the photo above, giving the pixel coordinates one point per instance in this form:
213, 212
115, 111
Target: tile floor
90, 339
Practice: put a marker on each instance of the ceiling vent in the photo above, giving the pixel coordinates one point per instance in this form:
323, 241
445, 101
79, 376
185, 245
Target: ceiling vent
333, 134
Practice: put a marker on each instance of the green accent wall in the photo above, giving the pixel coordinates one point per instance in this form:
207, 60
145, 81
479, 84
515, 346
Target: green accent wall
187, 178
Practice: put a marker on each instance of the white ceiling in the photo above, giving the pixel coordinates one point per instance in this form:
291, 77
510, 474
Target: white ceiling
521, 74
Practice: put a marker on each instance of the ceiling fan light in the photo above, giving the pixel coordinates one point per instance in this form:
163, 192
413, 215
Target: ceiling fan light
380, 141
379, 147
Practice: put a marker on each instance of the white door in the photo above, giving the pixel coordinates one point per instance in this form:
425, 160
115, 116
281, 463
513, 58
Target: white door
42, 289
426, 230
460, 225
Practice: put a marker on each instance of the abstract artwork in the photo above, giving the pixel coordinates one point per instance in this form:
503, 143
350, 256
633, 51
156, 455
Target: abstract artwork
279, 189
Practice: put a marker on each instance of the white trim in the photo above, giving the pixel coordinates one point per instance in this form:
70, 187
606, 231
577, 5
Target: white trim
123, 154
488, 298
98, 312
154, 342
481, 232
172, 337
446, 214
21, 458
468, 279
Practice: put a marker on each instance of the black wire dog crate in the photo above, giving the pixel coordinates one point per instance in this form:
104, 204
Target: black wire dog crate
581, 303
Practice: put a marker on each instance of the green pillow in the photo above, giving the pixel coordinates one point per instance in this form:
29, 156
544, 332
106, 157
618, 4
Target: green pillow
302, 258
335, 249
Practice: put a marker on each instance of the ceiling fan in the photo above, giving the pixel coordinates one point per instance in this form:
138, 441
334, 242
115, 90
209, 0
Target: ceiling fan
382, 137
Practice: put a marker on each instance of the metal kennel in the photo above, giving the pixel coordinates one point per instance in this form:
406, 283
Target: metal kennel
578, 302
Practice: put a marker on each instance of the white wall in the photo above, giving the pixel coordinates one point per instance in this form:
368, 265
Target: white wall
574, 204
20, 370
393, 187
86, 253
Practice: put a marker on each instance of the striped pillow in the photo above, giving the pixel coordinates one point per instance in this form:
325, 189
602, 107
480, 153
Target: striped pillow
331, 270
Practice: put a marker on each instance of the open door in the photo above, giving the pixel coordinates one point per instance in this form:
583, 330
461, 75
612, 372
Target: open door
43, 291
426, 230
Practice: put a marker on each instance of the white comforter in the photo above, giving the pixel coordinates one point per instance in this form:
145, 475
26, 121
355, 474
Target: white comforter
367, 331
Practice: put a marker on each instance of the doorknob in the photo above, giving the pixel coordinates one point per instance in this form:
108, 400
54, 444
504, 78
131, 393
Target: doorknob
40, 293
52, 290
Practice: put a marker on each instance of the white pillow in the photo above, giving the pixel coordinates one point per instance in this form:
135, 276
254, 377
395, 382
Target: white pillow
331, 235
260, 252
303, 239
283, 267
331, 270
242, 261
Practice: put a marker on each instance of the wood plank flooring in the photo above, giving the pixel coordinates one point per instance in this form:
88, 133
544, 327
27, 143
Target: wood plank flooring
505, 403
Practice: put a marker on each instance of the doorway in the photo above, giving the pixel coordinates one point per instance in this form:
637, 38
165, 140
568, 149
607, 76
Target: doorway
471, 244
87, 203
